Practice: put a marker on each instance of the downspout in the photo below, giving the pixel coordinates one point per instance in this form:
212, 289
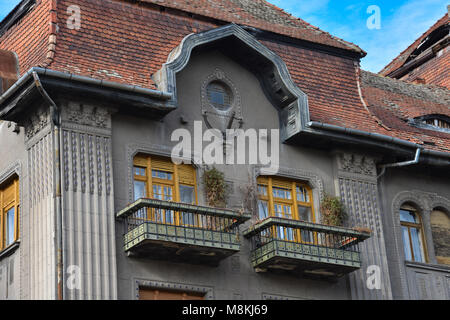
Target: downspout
56, 130
400, 164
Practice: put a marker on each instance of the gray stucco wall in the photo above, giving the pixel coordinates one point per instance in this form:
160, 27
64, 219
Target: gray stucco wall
234, 278
13, 161
425, 189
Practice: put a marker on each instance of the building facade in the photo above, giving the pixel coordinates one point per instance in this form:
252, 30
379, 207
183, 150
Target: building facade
99, 94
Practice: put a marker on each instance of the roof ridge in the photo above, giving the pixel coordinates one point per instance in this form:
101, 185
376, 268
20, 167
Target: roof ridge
53, 30
429, 90
288, 29
307, 24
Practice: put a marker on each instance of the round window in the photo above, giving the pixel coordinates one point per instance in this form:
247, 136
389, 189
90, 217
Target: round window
219, 95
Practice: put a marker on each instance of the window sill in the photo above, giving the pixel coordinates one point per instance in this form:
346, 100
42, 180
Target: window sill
9, 250
428, 266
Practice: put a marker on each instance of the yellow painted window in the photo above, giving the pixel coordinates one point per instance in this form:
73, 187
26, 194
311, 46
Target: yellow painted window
9, 213
159, 178
288, 199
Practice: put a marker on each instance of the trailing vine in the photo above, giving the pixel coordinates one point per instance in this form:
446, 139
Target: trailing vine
216, 188
332, 210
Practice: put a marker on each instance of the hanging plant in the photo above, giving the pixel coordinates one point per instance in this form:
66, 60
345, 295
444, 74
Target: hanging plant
249, 198
215, 187
332, 210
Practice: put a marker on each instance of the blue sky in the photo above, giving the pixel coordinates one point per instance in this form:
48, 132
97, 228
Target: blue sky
402, 22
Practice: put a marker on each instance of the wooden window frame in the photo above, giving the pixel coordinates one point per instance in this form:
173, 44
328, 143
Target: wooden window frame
146, 161
419, 227
5, 205
290, 185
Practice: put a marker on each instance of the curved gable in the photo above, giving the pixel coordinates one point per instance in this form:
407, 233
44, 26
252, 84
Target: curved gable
270, 69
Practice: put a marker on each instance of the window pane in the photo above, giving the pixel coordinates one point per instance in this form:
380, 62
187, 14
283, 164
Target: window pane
416, 240
262, 190
289, 234
407, 216
406, 245
162, 175
139, 171
281, 193
302, 194
139, 190
10, 226
168, 193
217, 97
262, 209
287, 212
304, 214
157, 192
187, 194
278, 210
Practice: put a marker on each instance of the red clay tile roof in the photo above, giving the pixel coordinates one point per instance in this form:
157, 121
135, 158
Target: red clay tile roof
400, 60
127, 42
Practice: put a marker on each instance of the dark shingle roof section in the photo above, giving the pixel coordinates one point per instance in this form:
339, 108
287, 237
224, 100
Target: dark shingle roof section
400, 60
396, 103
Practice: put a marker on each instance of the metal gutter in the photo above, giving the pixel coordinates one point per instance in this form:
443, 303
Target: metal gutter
400, 164
82, 79
377, 137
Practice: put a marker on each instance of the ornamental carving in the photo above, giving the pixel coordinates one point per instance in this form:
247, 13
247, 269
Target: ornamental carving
357, 164
37, 122
87, 115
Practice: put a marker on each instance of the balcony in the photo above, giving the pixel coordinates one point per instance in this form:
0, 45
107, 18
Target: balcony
181, 232
304, 249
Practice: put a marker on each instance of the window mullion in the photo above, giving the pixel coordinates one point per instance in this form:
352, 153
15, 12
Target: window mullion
150, 211
176, 192
16, 211
411, 248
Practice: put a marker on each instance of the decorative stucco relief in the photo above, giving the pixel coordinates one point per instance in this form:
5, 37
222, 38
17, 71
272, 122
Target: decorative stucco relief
38, 121
87, 115
357, 164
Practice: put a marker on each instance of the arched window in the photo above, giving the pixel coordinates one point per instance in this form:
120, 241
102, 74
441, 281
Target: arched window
440, 228
412, 234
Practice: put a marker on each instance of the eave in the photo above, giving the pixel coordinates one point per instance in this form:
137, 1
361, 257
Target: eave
126, 98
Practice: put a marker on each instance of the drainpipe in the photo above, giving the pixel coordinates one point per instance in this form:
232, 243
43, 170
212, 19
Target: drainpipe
56, 130
400, 164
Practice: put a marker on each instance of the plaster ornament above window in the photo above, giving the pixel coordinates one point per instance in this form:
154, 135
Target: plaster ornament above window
221, 102
37, 122
87, 115
356, 164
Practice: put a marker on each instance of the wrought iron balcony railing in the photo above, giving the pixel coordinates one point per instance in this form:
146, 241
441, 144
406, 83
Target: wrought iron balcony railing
304, 248
181, 232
